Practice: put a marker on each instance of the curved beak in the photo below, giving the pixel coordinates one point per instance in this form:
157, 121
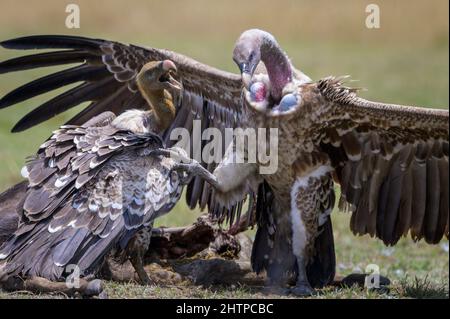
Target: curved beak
170, 68
246, 79
246, 74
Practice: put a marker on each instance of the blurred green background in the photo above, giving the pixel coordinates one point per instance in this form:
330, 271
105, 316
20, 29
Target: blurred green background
405, 61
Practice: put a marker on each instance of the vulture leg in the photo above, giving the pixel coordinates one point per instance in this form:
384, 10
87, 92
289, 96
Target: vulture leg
189, 166
194, 169
136, 249
312, 200
228, 178
302, 287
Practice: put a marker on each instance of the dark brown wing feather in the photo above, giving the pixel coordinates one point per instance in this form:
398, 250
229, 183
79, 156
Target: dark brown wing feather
82, 150
391, 162
76, 212
108, 70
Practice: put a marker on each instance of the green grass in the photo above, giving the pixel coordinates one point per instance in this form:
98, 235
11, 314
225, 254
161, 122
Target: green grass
405, 62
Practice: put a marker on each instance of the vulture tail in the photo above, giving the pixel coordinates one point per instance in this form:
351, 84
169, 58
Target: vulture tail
271, 250
322, 268
263, 237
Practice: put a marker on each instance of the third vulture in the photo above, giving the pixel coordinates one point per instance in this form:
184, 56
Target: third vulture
391, 161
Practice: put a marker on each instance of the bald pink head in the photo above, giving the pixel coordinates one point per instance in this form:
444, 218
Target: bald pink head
256, 45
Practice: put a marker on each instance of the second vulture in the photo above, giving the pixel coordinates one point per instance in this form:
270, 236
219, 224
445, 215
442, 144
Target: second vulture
98, 187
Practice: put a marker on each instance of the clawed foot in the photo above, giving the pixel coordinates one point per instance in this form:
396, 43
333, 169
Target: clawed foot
192, 169
186, 171
185, 166
138, 265
145, 280
302, 289
276, 290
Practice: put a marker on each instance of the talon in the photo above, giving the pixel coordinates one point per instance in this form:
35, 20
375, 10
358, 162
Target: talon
189, 169
182, 169
302, 289
276, 290
145, 280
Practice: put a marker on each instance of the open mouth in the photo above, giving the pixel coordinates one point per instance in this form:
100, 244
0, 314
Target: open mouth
168, 78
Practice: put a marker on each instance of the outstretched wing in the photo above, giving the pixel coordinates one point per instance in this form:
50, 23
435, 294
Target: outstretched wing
107, 72
391, 162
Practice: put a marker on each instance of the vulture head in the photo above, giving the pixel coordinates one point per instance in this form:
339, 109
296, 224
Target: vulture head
157, 84
247, 53
267, 73
158, 75
255, 46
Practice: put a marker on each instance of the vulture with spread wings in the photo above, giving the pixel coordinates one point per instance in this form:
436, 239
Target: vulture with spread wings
391, 161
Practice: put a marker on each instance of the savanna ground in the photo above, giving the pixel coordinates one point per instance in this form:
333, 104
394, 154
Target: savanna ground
405, 61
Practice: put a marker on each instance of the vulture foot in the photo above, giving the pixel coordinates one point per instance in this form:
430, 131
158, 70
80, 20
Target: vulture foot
193, 169
302, 289
138, 266
276, 290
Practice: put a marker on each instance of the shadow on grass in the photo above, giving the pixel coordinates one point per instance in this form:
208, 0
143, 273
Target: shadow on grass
423, 289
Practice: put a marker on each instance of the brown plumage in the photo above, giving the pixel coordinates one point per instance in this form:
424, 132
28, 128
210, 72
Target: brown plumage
405, 152
98, 186
388, 159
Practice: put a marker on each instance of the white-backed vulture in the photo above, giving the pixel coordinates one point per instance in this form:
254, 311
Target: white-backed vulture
99, 186
391, 161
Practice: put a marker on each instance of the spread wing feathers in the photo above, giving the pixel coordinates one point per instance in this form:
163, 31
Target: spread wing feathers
391, 162
107, 72
196, 116
77, 213
69, 159
105, 69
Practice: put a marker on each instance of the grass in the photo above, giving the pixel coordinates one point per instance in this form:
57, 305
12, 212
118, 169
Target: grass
422, 288
405, 62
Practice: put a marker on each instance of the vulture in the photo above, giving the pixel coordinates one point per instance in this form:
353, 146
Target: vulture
390, 161
99, 186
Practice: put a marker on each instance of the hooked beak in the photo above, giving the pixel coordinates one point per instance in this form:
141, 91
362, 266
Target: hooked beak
246, 79
170, 68
246, 74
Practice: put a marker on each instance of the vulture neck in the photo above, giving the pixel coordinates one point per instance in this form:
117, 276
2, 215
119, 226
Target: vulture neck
161, 103
277, 64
